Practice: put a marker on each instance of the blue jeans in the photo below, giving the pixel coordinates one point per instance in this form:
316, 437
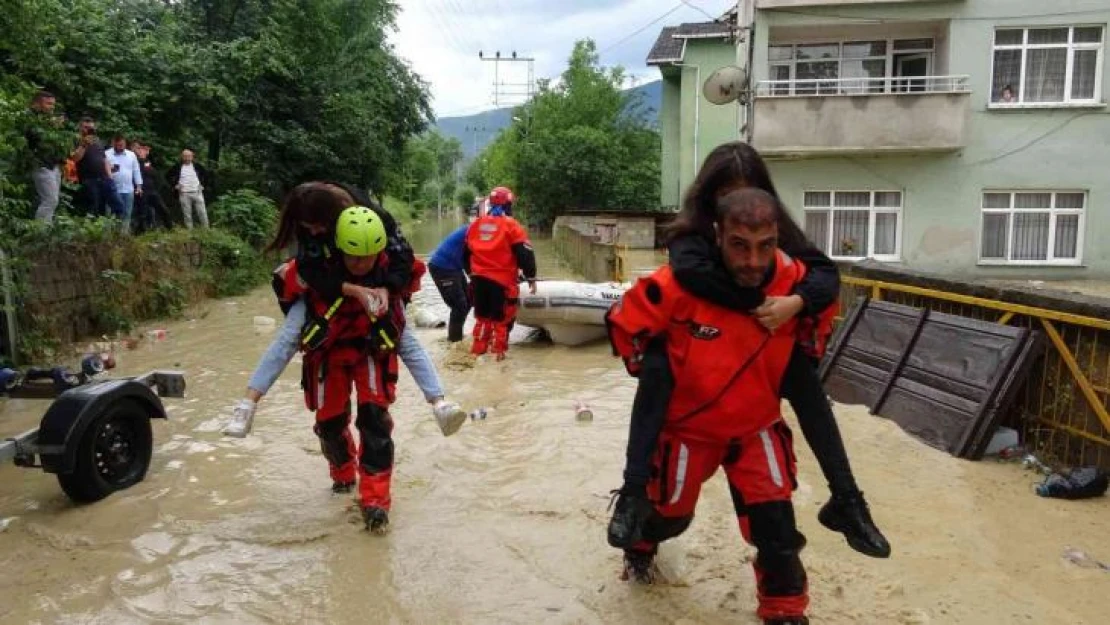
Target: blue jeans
285, 343
419, 365
127, 201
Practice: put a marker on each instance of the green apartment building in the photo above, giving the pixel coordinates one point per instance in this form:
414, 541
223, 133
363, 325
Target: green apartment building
966, 137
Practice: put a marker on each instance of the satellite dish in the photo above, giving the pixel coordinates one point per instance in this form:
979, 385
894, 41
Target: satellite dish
725, 85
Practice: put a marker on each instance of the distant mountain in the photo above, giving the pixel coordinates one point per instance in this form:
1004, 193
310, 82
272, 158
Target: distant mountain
477, 131
652, 100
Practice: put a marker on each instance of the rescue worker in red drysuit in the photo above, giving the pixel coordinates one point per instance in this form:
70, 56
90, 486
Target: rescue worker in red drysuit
345, 346
497, 252
725, 408
698, 268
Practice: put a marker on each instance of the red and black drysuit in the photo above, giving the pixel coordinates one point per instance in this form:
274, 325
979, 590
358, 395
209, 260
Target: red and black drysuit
497, 251
698, 268
725, 412
360, 351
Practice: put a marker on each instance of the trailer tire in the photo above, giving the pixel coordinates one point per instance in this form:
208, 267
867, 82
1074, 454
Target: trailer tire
113, 454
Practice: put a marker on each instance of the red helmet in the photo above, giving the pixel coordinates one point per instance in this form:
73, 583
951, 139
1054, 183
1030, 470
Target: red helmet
500, 196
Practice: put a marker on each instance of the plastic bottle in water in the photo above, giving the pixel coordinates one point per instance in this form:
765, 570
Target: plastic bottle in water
582, 412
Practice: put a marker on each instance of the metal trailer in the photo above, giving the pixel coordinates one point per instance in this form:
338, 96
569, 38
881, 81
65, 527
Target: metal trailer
96, 438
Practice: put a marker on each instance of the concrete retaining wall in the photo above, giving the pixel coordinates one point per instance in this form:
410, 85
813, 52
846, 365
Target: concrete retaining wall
635, 232
588, 257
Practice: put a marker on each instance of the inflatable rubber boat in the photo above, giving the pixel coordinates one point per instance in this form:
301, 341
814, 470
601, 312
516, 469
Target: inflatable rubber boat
572, 313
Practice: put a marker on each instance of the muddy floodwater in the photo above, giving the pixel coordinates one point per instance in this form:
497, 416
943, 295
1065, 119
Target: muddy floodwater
505, 521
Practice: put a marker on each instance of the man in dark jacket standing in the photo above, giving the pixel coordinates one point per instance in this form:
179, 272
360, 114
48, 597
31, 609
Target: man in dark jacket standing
151, 211
95, 174
190, 179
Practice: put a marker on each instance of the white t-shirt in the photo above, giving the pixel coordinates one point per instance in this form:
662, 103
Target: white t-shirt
188, 179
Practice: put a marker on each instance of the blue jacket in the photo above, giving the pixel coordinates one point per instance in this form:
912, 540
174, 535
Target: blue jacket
449, 255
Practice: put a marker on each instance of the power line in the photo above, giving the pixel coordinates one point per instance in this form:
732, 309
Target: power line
1035, 140
456, 10
643, 28
698, 9
474, 108
449, 36
500, 11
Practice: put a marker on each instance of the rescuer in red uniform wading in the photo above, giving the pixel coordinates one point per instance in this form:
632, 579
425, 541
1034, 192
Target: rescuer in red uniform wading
497, 251
725, 408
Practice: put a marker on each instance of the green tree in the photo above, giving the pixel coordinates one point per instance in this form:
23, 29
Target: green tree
426, 177
270, 92
582, 143
465, 195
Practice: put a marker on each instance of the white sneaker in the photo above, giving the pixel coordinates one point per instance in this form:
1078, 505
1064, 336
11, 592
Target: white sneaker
242, 418
449, 416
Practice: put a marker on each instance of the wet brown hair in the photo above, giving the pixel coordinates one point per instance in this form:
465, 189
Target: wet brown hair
310, 202
749, 207
727, 165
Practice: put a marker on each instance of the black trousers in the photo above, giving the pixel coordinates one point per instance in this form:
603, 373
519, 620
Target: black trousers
489, 299
454, 290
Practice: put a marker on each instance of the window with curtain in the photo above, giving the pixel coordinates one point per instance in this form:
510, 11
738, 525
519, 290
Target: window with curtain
827, 68
1032, 227
1047, 65
851, 225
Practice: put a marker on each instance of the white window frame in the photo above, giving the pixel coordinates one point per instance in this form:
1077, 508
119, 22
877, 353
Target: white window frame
1071, 46
891, 80
1053, 214
872, 211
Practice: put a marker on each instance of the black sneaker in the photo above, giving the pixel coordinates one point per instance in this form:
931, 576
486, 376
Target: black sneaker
787, 620
849, 515
377, 520
626, 527
342, 487
639, 567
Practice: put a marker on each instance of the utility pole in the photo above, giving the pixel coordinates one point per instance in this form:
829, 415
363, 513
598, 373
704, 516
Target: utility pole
745, 54
498, 92
474, 130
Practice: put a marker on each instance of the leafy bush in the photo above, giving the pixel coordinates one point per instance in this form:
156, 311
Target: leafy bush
156, 275
247, 215
401, 210
232, 266
464, 197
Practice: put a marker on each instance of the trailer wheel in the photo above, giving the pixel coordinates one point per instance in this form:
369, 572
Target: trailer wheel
113, 454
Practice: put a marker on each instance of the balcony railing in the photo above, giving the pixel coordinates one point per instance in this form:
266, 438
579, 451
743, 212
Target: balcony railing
887, 85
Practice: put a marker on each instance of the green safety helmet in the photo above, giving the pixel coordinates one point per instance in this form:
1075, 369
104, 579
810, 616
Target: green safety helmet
360, 232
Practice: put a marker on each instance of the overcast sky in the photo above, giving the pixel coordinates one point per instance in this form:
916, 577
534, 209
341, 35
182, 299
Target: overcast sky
441, 39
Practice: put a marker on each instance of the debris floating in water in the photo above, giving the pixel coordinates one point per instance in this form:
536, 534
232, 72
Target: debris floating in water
479, 414
1080, 558
582, 412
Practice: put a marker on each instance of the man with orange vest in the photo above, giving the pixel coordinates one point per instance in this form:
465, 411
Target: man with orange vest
724, 410
497, 251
